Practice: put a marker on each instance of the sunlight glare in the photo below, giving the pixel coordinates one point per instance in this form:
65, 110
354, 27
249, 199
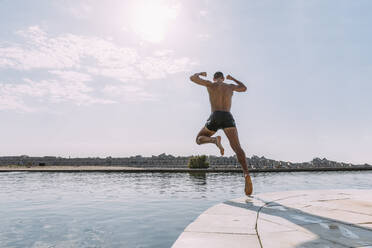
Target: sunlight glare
150, 19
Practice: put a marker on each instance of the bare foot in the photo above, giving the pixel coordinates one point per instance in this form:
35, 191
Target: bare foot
219, 145
248, 185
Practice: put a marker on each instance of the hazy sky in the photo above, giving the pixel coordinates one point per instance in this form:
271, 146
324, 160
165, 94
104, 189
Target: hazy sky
111, 78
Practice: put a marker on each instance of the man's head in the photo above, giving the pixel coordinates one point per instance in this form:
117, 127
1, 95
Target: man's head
218, 77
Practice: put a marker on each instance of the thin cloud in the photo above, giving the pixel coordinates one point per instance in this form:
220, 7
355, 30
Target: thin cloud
12, 102
73, 62
163, 63
203, 13
70, 87
204, 36
129, 93
72, 76
81, 9
67, 51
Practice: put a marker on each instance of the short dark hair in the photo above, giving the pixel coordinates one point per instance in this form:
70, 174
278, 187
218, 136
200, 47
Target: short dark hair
218, 75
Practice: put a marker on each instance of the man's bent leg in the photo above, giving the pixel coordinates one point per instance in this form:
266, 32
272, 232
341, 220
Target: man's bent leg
204, 136
232, 135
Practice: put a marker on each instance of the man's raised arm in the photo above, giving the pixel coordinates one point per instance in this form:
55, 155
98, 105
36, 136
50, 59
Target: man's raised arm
196, 79
240, 87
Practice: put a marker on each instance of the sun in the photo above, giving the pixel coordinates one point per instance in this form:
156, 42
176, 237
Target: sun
150, 19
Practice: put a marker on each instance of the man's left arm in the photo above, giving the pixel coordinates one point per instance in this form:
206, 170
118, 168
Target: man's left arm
196, 79
240, 87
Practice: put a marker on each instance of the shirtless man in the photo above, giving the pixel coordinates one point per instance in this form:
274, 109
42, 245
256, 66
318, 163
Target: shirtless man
220, 95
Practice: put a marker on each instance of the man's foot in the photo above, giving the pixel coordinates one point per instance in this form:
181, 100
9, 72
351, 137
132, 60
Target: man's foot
219, 145
248, 185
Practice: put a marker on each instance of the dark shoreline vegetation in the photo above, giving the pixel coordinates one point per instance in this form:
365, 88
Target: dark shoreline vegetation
170, 163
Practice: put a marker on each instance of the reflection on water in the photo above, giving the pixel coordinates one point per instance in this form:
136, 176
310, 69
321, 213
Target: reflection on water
199, 178
129, 209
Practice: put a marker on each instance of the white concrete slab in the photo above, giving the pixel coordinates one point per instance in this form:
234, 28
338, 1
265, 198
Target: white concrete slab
331, 218
213, 240
295, 239
212, 223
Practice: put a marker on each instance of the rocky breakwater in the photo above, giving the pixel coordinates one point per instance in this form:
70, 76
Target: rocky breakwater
169, 161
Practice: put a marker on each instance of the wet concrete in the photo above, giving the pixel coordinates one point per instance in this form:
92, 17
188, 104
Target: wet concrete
330, 218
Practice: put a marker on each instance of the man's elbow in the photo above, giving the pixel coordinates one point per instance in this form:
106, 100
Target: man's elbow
243, 89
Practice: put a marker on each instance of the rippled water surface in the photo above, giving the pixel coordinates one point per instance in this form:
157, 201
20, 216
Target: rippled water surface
91, 209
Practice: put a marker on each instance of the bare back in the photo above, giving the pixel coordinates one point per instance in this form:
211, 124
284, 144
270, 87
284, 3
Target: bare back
220, 95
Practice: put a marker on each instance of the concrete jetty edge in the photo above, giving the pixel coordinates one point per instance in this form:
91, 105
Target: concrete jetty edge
315, 218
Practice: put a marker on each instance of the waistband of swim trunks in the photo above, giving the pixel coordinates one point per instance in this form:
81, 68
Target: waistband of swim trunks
221, 111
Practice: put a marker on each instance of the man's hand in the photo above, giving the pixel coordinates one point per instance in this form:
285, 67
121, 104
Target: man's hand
229, 77
196, 79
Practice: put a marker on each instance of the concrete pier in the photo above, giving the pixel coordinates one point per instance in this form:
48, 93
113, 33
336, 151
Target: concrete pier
331, 218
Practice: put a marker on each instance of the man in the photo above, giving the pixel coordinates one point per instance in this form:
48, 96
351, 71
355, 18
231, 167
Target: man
220, 95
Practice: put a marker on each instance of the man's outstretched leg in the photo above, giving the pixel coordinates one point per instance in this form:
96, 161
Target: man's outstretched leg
204, 136
232, 135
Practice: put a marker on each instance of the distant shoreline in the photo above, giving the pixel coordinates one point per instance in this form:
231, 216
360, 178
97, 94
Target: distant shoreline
167, 162
129, 169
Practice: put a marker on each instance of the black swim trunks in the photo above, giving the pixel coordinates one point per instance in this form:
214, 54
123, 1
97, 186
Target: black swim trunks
220, 119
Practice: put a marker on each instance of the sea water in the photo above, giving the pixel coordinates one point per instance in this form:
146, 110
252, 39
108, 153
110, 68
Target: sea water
89, 209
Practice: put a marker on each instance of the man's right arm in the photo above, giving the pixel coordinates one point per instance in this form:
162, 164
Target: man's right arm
196, 79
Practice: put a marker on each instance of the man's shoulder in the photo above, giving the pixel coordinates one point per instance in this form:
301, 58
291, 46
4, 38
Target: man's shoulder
226, 84
229, 86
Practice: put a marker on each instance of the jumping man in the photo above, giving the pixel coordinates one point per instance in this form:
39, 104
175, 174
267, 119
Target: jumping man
220, 95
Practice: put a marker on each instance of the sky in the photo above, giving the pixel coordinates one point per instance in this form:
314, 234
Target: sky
111, 78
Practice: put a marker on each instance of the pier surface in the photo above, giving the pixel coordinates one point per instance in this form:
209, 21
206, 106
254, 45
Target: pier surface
321, 218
